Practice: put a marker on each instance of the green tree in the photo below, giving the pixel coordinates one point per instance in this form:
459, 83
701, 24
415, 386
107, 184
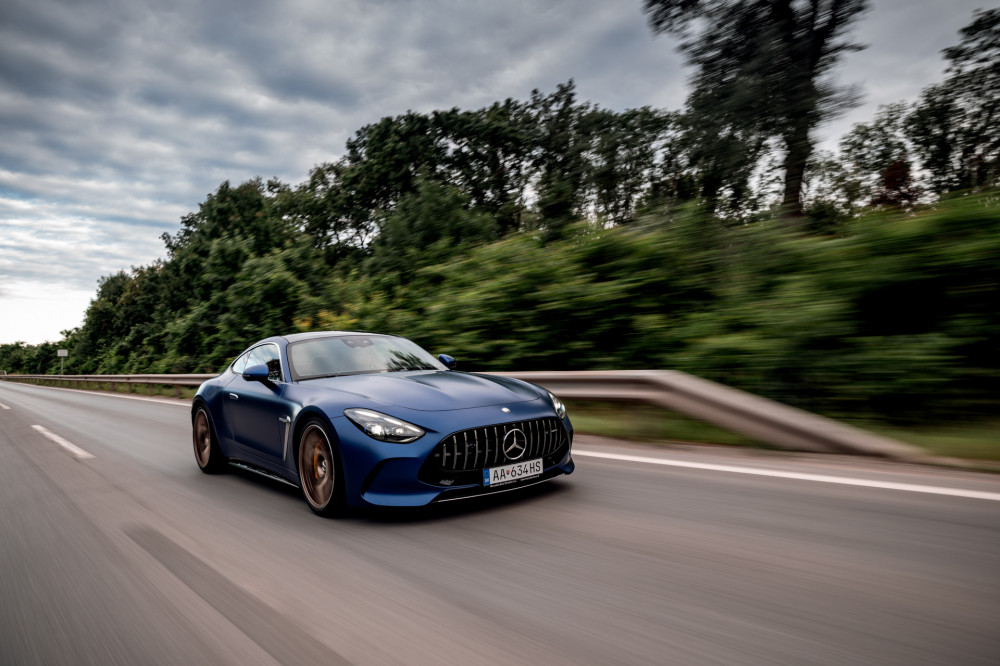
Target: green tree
722, 154
428, 226
13, 358
955, 122
761, 70
325, 209
878, 154
621, 158
382, 164
558, 156
489, 158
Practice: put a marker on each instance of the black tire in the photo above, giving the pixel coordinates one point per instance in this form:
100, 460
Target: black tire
206, 444
320, 472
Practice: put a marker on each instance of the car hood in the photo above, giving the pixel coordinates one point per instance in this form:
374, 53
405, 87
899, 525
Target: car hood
429, 390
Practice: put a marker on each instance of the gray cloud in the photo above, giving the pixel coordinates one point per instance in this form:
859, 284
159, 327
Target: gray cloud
118, 116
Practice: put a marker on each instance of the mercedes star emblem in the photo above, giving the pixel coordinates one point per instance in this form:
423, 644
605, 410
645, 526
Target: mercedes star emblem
515, 443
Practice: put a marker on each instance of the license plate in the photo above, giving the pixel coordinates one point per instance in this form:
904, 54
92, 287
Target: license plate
498, 476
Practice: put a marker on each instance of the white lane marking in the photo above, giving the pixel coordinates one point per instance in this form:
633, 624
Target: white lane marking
821, 478
69, 446
3, 406
107, 394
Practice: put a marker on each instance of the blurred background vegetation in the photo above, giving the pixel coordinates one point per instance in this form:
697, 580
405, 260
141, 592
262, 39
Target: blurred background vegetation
550, 233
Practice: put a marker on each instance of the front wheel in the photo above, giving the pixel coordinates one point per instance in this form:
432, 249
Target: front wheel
319, 473
206, 446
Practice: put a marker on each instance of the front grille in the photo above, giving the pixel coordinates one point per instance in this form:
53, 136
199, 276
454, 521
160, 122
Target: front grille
479, 448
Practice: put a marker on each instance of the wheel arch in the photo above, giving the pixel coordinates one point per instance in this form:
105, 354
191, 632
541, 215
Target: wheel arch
199, 401
306, 418
221, 435
303, 418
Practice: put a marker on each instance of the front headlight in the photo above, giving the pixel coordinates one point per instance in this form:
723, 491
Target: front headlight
383, 428
557, 403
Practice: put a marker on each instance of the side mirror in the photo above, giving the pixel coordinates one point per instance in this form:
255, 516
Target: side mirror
448, 361
255, 373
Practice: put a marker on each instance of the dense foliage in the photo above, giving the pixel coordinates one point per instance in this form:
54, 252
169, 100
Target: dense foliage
554, 234
895, 316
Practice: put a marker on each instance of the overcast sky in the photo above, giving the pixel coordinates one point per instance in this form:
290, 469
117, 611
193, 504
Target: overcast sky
120, 116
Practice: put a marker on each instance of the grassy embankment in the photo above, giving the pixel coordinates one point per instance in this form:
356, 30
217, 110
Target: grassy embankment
980, 441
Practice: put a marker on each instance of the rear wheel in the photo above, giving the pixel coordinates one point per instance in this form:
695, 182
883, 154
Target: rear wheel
206, 446
319, 472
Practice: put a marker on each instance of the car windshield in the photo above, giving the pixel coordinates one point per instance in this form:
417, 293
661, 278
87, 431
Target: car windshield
357, 354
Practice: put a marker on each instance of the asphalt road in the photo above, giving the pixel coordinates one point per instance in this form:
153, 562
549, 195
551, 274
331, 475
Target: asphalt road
132, 556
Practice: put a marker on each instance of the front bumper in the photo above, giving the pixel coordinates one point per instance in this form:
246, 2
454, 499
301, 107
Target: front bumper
398, 475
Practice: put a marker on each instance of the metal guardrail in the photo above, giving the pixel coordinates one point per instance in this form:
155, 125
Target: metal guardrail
80, 381
760, 418
763, 419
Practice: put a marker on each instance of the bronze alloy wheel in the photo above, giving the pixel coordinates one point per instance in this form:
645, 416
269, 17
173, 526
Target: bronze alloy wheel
205, 449
317, 469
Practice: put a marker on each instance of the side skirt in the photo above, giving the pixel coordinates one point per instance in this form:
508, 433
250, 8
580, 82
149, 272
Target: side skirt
262, 472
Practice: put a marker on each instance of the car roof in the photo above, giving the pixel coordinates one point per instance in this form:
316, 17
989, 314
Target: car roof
295, 337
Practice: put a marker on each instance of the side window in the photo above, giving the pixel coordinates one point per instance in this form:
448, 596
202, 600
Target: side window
267, 355
241, 363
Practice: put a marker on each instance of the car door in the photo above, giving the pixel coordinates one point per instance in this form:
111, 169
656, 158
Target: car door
255, 411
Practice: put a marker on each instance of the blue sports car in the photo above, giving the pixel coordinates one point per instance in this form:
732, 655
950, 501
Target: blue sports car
374, 420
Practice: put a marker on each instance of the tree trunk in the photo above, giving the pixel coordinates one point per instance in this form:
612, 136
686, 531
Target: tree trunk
798, 149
